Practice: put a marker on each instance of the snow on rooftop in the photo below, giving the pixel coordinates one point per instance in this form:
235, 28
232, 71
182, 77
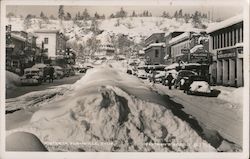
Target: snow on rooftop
225, 23
47, 31
179, 38
195, 48
19, 37
184, 29
155, 45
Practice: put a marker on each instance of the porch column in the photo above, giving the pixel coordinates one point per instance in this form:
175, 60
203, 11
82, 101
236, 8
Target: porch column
225, 72
231, 72
219, 71
239, 72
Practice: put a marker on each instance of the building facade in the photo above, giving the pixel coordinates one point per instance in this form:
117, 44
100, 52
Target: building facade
155, 48
227, 47
168, 58
21, 50
180, 47
54, 43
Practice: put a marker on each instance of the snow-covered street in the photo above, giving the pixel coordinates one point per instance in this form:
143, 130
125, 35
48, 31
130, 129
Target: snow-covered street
210, 112
129, 113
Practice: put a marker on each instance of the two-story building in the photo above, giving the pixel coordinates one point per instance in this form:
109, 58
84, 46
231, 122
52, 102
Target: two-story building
168, 36
227, 47
54, 43
155, 48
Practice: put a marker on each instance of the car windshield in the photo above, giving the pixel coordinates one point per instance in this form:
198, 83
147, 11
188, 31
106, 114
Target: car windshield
186, 73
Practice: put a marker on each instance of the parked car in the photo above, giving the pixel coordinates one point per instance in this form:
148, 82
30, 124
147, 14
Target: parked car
160, 75
43, 70
181, 76
32, 76
141, 73
58, 74
198, 85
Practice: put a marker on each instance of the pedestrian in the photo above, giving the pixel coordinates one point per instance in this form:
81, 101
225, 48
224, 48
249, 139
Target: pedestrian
170, 79
186, 84
51, 74
153, 75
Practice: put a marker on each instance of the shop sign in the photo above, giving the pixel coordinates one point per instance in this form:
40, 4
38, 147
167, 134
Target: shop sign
225, 54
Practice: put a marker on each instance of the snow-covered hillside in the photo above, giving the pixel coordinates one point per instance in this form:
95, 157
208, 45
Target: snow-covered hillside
136, 28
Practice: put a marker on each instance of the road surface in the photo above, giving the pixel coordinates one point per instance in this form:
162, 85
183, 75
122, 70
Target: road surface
211, 113
21, 90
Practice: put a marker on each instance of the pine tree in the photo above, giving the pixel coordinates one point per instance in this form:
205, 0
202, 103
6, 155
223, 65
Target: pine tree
196, 19
61, 13
85, 15
42, 15
176, 15
68, 16
180, 15
121, 14
27, 22
112, 16
97, 16
134, 14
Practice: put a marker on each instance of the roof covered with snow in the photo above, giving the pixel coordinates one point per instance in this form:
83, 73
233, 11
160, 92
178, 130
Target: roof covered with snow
47, 31
187, 29
155, 45
179, 38
18, 37
225, 23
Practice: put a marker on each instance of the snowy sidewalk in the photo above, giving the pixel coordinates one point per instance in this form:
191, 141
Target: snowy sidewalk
211, 112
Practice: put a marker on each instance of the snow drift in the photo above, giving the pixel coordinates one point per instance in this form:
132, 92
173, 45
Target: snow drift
109, 106
12, 80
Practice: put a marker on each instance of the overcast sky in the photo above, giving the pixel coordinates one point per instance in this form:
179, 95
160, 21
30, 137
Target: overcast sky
218, 12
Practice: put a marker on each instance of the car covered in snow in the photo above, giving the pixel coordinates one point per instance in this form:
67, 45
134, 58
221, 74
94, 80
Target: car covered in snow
141, 73
32, 76
160, 76
58, 72
198, 85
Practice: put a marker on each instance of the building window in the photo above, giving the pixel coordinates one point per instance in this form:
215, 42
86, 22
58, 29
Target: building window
229, 39
46, 50
46, 40
156, 53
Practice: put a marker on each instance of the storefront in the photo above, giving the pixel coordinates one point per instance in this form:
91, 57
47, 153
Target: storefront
230, 66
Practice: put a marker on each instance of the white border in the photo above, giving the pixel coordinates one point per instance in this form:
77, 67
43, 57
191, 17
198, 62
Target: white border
134, 155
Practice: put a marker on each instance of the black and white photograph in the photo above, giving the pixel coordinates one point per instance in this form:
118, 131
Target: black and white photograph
124, 78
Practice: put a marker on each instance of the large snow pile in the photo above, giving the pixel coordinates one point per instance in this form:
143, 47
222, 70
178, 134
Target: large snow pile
109, 106
12, 80
232, 95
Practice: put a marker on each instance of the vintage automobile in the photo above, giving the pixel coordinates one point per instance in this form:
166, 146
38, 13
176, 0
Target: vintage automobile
32, 76
181, 76
58, 74
141, 73
198, 85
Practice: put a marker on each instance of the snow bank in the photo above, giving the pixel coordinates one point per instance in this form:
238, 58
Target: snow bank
12, 80
232, 95
109, 106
